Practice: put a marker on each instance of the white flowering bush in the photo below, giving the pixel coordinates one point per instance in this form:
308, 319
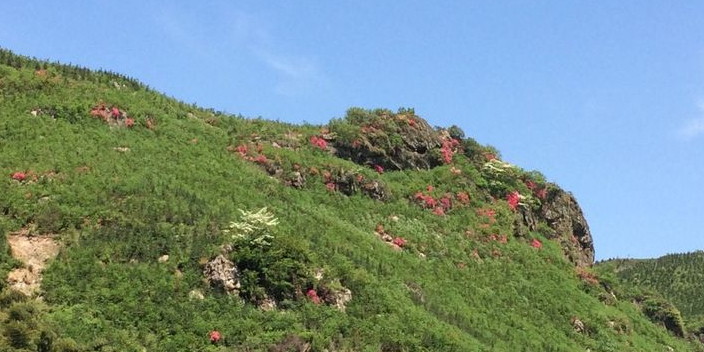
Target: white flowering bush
253, 227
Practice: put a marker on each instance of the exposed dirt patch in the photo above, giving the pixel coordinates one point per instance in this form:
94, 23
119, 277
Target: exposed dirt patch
33, 252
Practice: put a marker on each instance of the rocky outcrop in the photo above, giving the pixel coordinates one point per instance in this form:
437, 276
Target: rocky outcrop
337, 298
221, 272
566, 222
401, 141
349, 183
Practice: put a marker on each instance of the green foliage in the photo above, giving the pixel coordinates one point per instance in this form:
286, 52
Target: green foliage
664, 312
119, 199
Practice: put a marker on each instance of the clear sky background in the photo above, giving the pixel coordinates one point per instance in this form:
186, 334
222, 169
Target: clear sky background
606, 98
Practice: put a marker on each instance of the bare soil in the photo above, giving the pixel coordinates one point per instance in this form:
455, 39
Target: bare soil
33, 252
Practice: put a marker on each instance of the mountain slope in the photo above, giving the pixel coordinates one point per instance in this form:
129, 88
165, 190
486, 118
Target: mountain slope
379, 233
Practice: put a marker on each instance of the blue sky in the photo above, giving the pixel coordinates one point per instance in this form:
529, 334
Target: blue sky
606, 98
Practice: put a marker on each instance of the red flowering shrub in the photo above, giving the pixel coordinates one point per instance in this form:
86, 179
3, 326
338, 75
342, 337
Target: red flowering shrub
379, 169
214, 336
412, 123
313, 296
439, 211
318, 142
537, 244
399, 241
513, 199
129, 122
115, 112
355, 143
19, 176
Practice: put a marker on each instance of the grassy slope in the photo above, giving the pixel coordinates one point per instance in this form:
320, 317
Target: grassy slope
117, 212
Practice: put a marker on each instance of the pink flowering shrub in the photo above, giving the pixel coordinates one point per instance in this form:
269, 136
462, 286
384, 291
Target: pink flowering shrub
100, 111
244, 152
513, 199
399, 241
318, 142
129, 122
214, 336
19, 176
379, 169
536, 244
448, 149
313, 296
429, 202
115, 112
439, 211
330, 186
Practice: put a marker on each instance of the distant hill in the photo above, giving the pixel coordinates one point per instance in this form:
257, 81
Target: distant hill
135, 222
678, 277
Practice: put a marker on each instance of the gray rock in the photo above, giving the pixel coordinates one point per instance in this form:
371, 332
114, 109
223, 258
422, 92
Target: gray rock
221, 272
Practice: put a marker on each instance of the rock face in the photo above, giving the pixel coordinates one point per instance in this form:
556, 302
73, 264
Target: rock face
567, 224
221, 272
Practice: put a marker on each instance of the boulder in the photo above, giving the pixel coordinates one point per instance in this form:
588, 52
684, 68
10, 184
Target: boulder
221, 272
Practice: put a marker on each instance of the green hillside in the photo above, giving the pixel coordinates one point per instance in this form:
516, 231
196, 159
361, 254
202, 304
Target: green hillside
677, 277
186, 229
